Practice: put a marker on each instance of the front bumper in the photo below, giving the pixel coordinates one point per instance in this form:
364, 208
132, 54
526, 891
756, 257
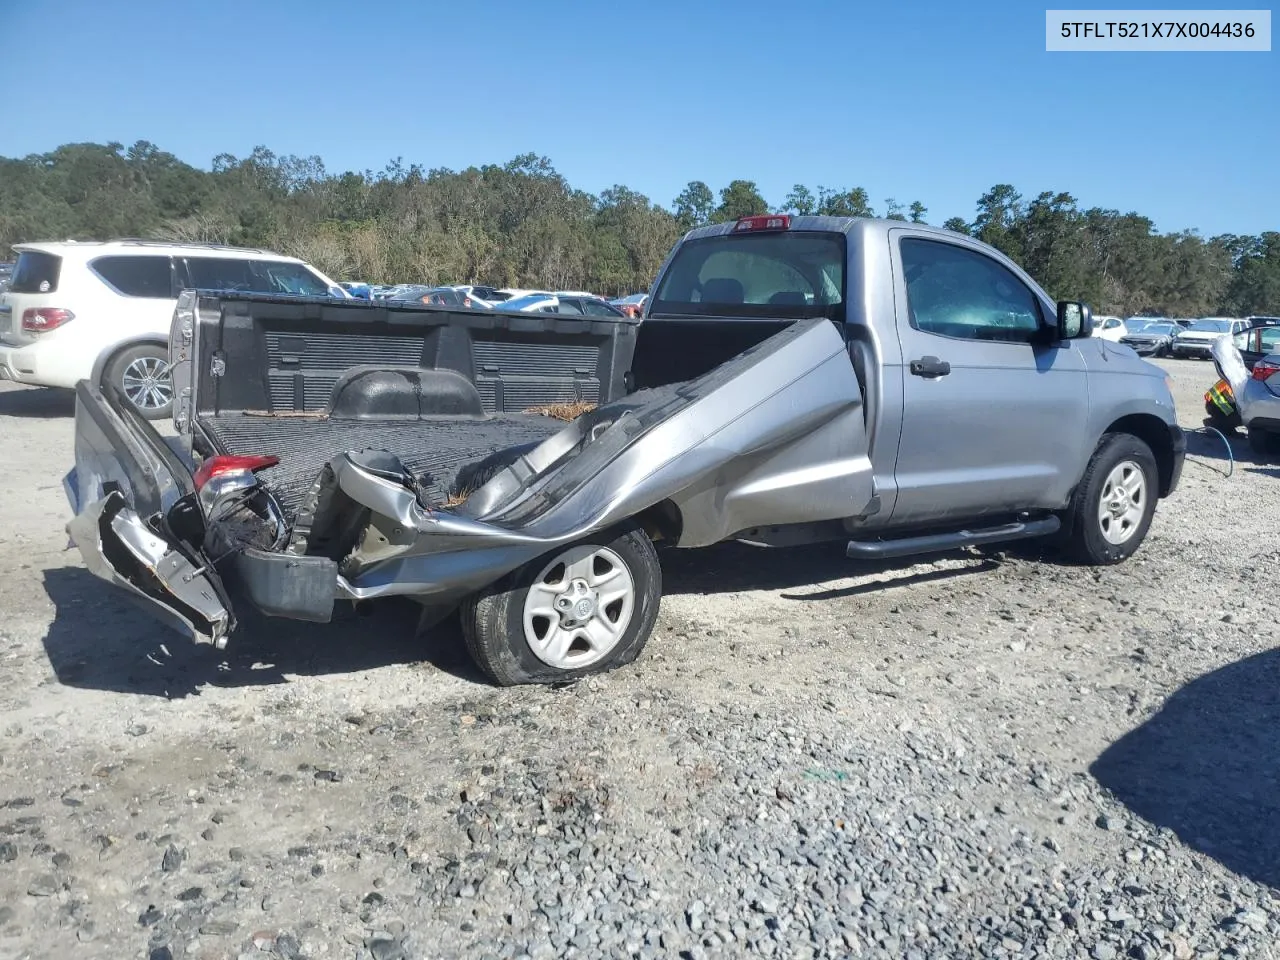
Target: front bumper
1178, 443
1143, 349
1204, 349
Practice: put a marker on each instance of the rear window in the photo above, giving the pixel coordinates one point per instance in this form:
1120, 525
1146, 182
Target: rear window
36, 272
137, 276
785, 274
254, 276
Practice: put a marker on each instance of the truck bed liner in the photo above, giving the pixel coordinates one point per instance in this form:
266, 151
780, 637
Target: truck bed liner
433, 449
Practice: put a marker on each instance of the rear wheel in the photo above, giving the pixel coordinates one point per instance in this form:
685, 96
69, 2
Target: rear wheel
1263, 443
1115, 501
141, 374
580, 609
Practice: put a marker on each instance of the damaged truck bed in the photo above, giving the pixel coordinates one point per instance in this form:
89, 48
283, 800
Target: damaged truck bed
521, 467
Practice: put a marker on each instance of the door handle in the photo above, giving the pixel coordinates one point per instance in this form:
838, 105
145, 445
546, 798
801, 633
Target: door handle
930, 367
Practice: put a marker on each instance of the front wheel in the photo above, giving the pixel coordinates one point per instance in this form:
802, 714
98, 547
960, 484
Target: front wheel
581, 609
141, 373
1115, 501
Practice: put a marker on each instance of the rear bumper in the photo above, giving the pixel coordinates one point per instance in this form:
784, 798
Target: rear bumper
42, 364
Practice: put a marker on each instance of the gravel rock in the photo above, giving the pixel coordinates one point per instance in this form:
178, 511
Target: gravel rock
44, 885
172, 859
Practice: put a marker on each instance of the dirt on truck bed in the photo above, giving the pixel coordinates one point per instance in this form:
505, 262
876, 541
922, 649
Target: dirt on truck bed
979, 755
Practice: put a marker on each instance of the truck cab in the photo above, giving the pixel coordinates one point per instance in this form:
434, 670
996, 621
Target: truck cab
976, 402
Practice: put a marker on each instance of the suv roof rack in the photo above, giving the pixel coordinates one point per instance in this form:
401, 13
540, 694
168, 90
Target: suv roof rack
144, 242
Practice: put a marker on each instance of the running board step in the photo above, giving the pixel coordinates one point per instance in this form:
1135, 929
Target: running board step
941, 542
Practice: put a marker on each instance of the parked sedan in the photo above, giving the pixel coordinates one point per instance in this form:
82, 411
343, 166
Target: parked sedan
575, 304
1154, 339
442, 296
632, 305
1256, 393
1108, 328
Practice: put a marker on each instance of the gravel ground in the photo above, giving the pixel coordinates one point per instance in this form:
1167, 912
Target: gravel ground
977, 756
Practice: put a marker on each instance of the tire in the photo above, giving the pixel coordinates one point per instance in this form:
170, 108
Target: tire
502, 623
1263, 444
1227, 423
141, 374
1097, 538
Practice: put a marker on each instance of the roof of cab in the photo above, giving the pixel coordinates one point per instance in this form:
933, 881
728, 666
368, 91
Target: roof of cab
867, 226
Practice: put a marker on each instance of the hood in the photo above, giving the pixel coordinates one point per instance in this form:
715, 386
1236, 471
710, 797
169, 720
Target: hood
1202, 336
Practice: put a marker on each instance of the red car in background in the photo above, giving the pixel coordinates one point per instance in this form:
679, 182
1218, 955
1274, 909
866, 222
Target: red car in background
631, 305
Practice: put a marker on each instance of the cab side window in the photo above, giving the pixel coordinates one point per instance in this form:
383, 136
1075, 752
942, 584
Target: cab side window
956, 292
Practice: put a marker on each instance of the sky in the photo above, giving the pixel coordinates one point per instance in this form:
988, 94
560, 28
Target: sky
931, 101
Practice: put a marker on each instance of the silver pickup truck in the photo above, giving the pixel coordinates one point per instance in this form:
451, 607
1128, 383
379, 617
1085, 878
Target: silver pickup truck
900, 388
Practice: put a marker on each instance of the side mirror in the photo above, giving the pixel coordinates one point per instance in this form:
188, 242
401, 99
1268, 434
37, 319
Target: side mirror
1075, 320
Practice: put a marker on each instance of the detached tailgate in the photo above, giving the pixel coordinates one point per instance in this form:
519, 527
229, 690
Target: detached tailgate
129, 489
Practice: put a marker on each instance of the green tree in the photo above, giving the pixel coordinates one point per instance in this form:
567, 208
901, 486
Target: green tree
740, 198
800, 201
999, 210
918, 211
844, 203
695, 205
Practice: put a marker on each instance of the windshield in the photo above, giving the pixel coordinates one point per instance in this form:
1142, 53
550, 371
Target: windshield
776, 274
1158, 329
1211, 326
255, 276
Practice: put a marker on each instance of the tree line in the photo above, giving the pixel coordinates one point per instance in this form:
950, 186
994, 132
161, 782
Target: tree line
522, 224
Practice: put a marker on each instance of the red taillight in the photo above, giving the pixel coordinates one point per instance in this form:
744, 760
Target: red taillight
767, 221
1262, 369
216, 466
44, 319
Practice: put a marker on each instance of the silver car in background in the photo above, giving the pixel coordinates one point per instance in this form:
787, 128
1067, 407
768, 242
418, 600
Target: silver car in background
1256, 391
1153, 339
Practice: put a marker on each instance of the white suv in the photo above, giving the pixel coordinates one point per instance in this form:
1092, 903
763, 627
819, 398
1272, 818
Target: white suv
82, 310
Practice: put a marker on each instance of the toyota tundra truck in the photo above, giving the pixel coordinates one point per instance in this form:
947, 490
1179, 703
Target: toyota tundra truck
899, 388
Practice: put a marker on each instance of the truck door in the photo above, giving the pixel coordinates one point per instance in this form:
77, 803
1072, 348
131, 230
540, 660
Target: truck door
994, 412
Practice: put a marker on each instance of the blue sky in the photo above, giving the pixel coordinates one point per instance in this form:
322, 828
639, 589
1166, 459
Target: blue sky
928, 101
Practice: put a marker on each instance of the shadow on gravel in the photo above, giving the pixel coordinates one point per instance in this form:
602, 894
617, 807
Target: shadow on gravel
731, 567
1207, 445
99, 640
37, 402
1207, 766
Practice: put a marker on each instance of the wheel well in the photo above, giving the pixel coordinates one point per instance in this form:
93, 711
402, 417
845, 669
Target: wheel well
1154, 432
107, 356
662, 522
